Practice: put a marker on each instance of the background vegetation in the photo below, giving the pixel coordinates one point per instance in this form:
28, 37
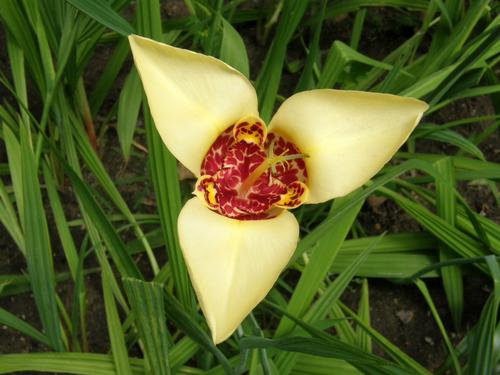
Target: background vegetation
89, 195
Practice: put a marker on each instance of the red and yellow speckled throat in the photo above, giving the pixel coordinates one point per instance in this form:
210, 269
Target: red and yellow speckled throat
248, 174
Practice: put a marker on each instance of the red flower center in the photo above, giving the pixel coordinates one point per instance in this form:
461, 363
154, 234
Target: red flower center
249, 175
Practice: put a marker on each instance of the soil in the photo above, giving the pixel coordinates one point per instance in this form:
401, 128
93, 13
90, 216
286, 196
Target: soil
398, 312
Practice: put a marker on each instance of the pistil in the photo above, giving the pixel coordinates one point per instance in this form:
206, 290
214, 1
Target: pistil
270, 162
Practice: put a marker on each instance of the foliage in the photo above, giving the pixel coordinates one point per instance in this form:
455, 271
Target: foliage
49, 118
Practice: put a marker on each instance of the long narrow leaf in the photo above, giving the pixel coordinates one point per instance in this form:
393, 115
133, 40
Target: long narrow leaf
452, 276
116, 336
38, 249
102, 12
146, 299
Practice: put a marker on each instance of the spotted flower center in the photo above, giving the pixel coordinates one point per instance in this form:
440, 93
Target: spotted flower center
248, 174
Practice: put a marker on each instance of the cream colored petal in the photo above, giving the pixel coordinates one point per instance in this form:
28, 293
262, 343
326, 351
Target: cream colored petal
192, 97
348, 135
233, 264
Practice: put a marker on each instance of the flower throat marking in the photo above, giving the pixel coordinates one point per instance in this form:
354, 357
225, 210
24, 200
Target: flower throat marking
248, 174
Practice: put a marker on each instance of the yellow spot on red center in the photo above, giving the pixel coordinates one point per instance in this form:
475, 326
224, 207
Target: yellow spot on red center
250, 130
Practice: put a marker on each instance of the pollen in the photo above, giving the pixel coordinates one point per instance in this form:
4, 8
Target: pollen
248, 174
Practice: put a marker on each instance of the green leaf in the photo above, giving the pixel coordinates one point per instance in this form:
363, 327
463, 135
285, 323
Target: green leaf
357, 28
93, 162
38, 249
68, 245
75, 363
390, 349
481, 358
269, 77
102, 12
339, 56
108, 76
315, 235
114, 243
14, 156
389, 265
445, 205
313, 365
116, 337
128, 111
12, 321
363, 339
324, 304
66, 363
448, 136
425, 292
232, 50
336, 288
331, 348
319, 264
146, 299
8, 218
186, 323
306, 80
460, 243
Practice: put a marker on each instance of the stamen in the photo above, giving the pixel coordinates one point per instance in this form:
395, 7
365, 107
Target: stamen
269, 162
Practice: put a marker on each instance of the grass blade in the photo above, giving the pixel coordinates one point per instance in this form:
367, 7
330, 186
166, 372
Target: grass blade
390, 349
332, 348
189, 326
114, 243
12, 321
146, 299
65, 363
452, 276
117, 340
267, 83
103, 13
315, 235
460, 243
68, 245
323, 305
451, 350
232, 50
306, 80
364, 340
38, 249
481, 354
108, 76
129, 105
319, 264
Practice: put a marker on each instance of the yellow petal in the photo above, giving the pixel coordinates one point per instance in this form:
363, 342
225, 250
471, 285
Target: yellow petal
348, 135
193, 97
233, 264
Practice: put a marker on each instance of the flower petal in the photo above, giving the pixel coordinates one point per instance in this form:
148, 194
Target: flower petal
232, 263
193, 97
349, 135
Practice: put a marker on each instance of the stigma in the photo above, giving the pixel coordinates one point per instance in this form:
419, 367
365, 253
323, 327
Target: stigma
248, 174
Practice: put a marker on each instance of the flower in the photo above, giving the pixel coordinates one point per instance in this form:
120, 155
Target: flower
236, 234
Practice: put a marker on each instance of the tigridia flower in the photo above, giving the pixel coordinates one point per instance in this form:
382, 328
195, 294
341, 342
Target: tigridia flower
236, 234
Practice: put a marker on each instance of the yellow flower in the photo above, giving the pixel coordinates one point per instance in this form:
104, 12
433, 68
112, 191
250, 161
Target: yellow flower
236, 234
